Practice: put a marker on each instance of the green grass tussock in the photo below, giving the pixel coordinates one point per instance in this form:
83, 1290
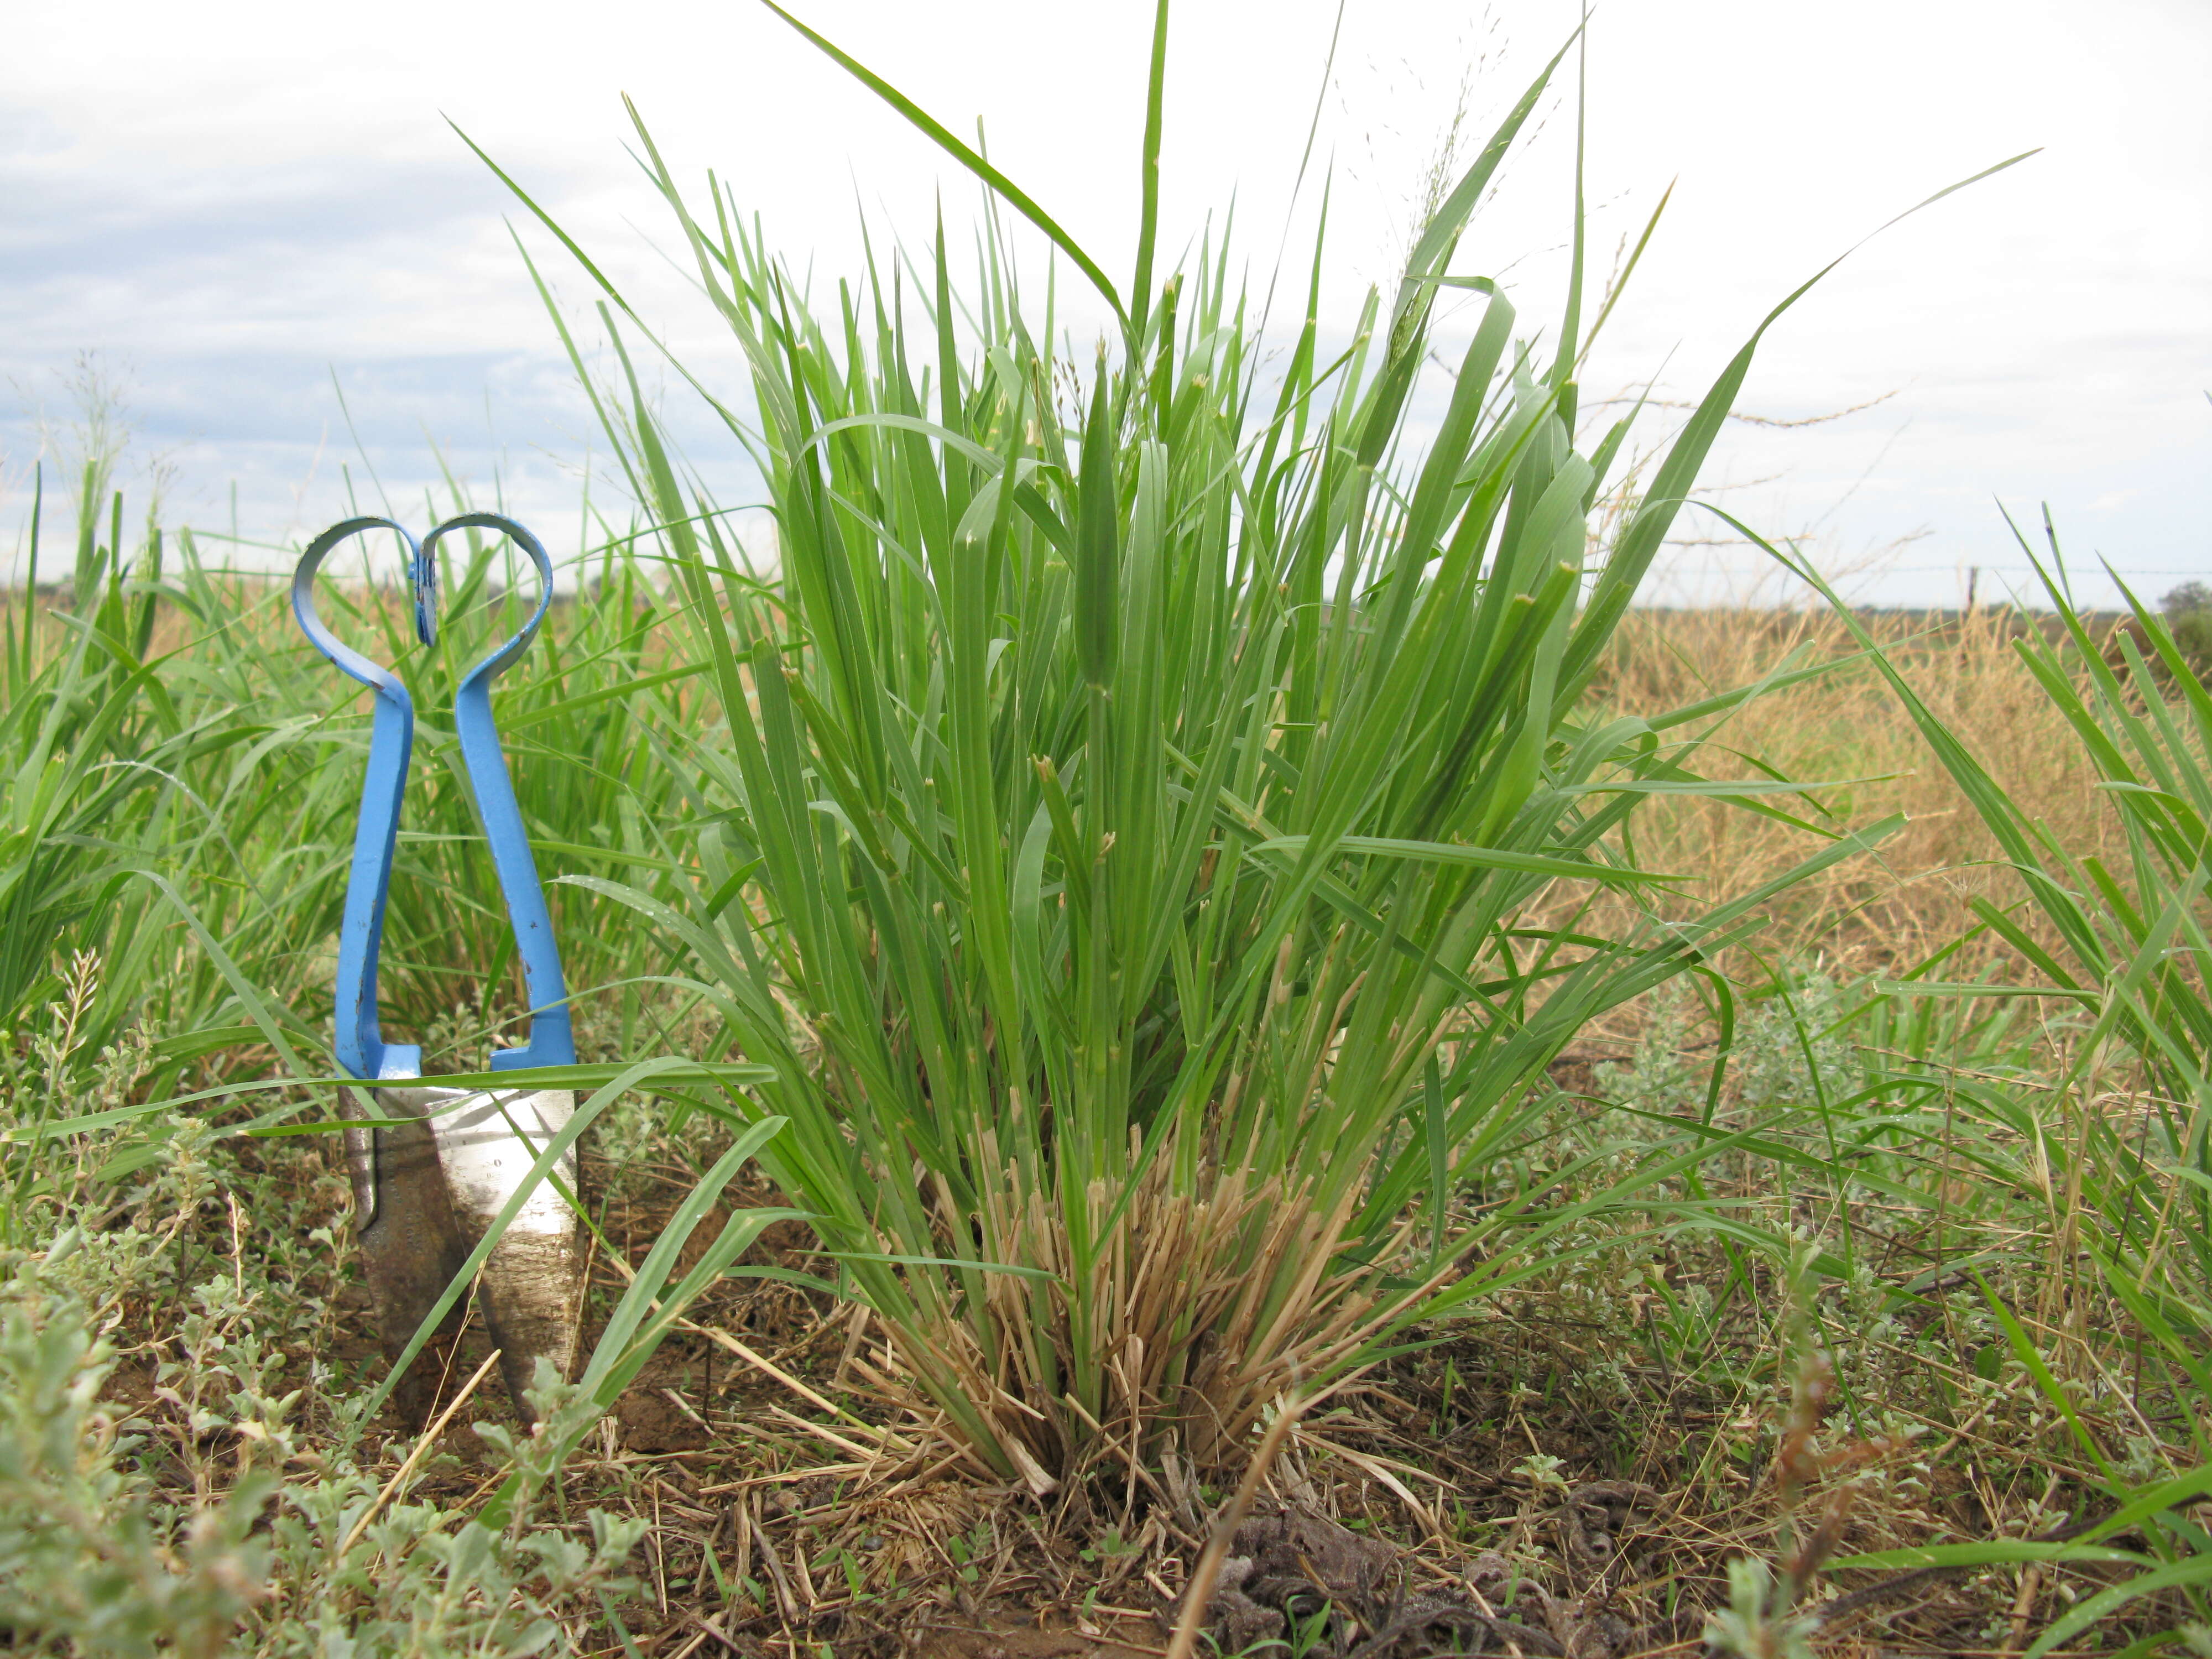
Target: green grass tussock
1140, 773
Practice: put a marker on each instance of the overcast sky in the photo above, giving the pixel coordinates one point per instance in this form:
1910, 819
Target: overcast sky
242, 207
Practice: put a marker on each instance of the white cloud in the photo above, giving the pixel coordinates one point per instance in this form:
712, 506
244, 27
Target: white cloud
241, 198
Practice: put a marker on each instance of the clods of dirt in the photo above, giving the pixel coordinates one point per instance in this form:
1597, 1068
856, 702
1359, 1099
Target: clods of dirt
1281, 1567
1286, 1571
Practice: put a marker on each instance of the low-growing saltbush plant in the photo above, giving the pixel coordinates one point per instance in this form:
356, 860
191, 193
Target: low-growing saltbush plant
183, 1471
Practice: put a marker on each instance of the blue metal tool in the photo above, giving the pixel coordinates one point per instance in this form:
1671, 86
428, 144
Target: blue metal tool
426, 1191
361, 1048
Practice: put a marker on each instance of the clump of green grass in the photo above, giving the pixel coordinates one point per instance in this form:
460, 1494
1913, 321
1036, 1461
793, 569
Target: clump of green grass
1131, 799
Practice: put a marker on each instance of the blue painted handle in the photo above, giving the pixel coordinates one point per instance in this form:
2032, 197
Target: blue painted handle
552, 1038
361, 1050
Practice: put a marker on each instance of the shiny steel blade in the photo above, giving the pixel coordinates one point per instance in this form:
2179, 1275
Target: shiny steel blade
431, 1190
531, 1286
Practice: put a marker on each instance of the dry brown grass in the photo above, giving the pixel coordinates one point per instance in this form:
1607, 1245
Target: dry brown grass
1890, 909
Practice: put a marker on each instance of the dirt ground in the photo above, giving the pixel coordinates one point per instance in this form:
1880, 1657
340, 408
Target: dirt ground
1477, 1494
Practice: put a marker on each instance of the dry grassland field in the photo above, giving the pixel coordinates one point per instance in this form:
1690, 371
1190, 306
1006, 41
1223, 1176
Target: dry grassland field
1199, 1038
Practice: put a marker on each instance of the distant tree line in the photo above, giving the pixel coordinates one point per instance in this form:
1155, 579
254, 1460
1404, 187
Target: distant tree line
2188, 611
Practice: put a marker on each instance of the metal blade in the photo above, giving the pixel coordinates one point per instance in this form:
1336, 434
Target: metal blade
531, 1286
428, 1191
412, 1242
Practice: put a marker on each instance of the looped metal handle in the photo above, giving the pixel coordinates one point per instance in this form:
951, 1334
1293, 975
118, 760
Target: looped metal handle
361, 1050
552, 1039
